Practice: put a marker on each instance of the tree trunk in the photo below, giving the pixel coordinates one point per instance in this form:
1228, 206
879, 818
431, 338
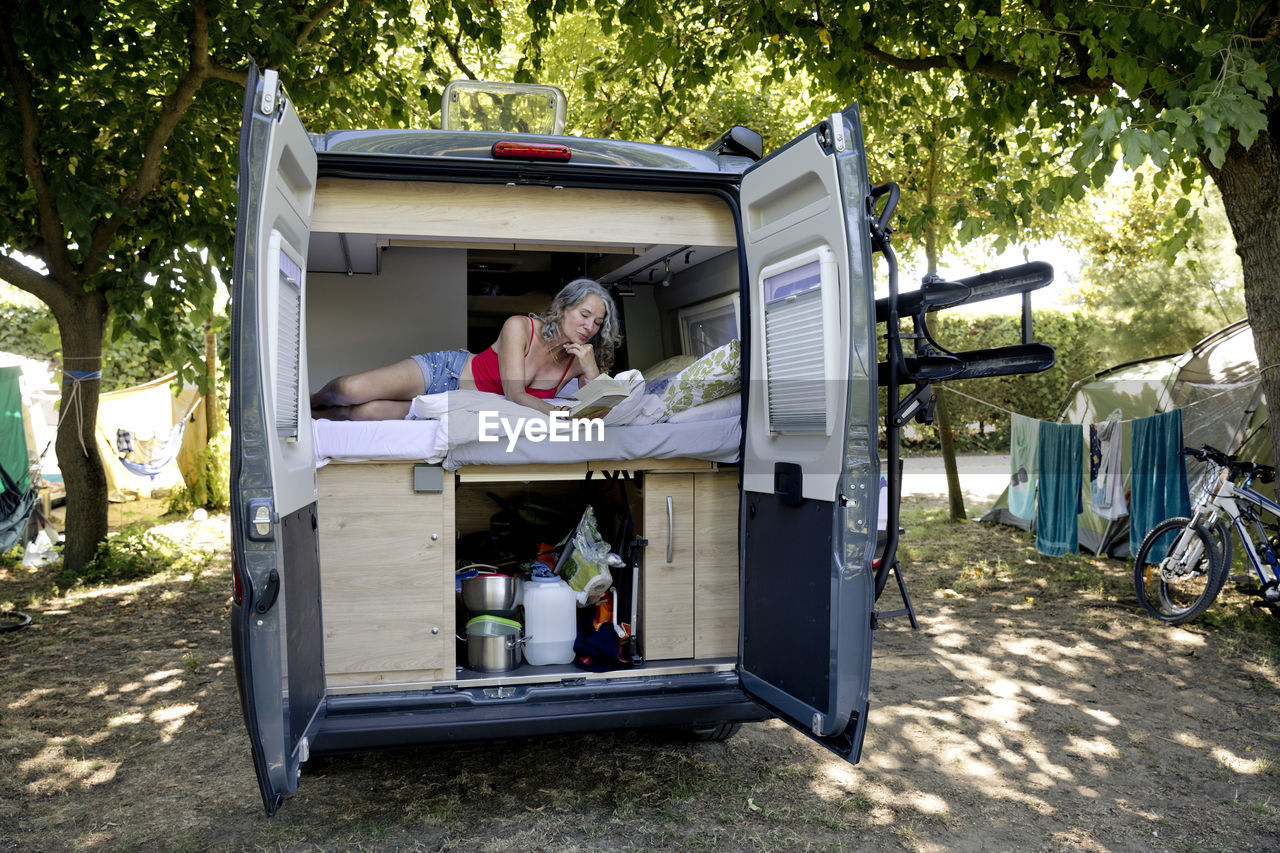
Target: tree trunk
1250, 185
942, 416
83, 473
212, 408
946, 437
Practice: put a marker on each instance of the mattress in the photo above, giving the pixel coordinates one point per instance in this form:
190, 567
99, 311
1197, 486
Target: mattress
715, 440
375, 441
417, 441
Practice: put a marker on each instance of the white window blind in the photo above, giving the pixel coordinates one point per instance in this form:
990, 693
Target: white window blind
289, 346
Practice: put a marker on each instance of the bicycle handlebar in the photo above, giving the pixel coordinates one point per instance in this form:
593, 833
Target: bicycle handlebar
1265, 473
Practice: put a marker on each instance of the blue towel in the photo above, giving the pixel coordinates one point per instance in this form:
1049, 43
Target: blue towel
1060, 458
1159, 476
1023, 432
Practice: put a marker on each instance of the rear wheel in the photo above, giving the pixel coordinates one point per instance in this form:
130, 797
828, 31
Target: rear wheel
713, 731
1178, 571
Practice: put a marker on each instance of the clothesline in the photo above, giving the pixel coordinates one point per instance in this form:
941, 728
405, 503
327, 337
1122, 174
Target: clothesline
988, 403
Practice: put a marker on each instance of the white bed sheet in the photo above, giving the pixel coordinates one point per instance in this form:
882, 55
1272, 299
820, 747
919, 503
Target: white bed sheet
375, 441
716, 440
416, 441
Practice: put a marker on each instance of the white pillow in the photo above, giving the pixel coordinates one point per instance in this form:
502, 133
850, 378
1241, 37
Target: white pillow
658, 376
729, 406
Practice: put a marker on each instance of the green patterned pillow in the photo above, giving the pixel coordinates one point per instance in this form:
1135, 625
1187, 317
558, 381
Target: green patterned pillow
715, 375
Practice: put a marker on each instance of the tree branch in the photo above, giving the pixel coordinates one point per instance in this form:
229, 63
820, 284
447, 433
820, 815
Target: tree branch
52, 232
986, 65
41, 286
454, 51
320, 15
171, 112
231, 75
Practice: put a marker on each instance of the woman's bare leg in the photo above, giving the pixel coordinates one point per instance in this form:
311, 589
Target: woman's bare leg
381, 394
374, 410
400, 381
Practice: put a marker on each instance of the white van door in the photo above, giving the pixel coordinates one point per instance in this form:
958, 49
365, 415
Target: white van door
810, 463
275, 616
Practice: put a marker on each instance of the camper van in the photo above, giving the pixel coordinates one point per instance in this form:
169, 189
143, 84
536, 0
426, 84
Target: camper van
745, 529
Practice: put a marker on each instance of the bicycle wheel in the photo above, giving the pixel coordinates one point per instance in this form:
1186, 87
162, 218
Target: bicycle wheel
1177, 577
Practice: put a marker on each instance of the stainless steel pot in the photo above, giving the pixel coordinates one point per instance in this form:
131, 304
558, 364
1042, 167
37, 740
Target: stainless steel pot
491, 595
494, 644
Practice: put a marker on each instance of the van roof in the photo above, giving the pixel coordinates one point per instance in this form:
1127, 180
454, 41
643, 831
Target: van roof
477, 145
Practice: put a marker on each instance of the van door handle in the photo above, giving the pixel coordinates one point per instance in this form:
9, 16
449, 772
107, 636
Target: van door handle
671, 528
269, 594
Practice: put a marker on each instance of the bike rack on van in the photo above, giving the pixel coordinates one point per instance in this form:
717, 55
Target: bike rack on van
930, 362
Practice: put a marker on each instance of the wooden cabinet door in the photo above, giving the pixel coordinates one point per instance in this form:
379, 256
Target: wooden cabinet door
667, 570
715, 564
386, 580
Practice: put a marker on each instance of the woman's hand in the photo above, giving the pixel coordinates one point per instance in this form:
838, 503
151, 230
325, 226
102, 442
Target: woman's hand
586, 357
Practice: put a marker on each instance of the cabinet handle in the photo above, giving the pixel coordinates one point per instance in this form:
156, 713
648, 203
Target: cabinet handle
671, 528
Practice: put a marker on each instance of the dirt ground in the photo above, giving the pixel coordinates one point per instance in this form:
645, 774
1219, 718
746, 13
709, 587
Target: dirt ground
1034, 709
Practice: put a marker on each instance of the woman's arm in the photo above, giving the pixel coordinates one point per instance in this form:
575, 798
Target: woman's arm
585, 354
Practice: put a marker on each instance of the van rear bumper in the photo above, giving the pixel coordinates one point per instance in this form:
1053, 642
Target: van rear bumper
365, 722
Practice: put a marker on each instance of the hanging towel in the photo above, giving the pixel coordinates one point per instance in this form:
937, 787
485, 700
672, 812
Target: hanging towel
1022, 465
1159, 474
1106, 480
1060, 455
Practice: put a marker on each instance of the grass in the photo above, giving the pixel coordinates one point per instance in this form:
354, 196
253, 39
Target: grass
112, 668
987, 561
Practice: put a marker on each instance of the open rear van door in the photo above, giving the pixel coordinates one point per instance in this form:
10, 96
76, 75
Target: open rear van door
275, 614
810, 464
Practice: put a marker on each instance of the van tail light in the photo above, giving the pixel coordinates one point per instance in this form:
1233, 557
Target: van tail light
237, 585
531, 151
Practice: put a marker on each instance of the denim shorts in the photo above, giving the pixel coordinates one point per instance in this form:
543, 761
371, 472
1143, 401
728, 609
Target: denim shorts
440, 370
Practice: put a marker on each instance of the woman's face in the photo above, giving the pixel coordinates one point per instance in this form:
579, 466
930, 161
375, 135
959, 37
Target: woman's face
582, 321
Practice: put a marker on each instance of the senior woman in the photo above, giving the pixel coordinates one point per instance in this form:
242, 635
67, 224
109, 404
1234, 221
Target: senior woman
532, 359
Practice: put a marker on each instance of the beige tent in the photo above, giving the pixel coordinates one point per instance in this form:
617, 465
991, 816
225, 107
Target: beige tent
149, 436
1215, 383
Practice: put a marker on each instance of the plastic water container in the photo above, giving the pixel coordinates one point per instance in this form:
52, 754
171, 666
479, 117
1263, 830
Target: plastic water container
550, 621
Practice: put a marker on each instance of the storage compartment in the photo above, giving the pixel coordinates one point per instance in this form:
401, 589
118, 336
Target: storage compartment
386, 576
689, 579
388, 558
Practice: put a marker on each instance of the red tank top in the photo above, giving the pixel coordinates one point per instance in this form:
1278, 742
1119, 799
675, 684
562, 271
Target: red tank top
485, 372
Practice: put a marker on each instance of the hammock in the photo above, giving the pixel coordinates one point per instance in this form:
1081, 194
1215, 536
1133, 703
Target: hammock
162, 455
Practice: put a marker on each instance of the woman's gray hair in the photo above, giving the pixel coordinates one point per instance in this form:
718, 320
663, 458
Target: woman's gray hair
606, 340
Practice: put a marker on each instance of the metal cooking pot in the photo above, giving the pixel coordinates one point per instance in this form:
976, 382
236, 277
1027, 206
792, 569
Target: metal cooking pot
491, 595
494, 644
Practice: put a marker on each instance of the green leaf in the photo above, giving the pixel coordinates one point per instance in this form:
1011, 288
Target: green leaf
1134, 142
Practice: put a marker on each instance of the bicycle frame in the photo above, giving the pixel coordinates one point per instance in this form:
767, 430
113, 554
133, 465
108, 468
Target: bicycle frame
1223, 499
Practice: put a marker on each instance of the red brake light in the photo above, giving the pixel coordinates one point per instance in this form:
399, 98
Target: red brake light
237, 586
531, 151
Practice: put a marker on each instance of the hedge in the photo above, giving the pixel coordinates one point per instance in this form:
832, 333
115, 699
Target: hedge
32, 332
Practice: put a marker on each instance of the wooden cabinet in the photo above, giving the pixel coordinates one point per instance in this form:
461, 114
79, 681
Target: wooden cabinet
386, 576
387, 554
666, 572
689, 574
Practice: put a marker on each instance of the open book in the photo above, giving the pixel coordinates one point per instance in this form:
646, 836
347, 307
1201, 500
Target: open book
598, 396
